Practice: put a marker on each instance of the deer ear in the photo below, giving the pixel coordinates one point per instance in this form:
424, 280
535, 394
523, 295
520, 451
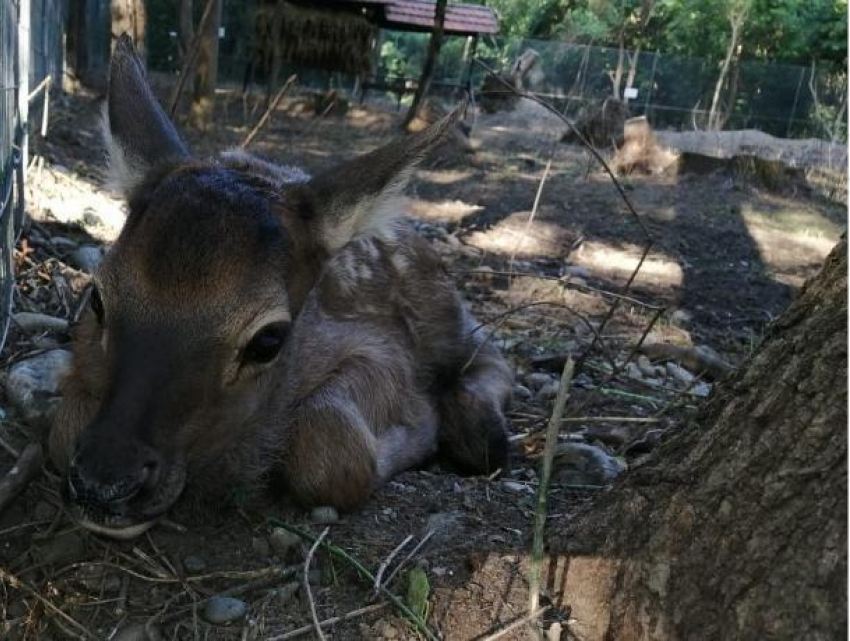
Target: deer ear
139, 134
362, 195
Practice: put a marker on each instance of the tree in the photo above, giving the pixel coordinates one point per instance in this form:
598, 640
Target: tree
206, 70
736, 528
434, 44
737, 13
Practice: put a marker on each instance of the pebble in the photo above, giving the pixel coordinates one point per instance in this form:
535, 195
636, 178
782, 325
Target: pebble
679, 373
282, 541
285, 592
584, 464
701, 389
194, 564
33, 382
547, 392
577, 271
138, 632
522, 393
633, 371
32, 322
87, 257
324, 515
536, 380
681, 317
646, 366
221, 610
513, 486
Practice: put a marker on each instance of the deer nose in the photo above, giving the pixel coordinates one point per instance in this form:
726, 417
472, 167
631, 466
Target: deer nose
108, 478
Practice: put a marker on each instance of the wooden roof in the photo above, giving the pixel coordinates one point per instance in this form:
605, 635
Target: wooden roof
418, 15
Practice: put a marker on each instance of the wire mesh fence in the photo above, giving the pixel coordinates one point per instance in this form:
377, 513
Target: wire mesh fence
31, 51
673, 92
11, 144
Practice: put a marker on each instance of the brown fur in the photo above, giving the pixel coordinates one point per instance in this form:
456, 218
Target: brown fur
380, 368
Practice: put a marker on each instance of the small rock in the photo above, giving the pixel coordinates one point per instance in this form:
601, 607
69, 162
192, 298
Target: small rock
32, 322
633, 371
513, 486
282, 541
646, 366
679, 373
554, 632
522, 393
701, 389
583, 464
91, 219
536, 380
194, 564
285, 592
221, 610
33, 384
138, 632
87, 257
324, 515
577, 272
547, 392
681, 317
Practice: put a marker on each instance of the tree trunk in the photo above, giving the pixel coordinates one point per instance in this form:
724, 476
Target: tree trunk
630, 79
736, 20
735, 529
130, 17
617, 76
206, 70
434, 45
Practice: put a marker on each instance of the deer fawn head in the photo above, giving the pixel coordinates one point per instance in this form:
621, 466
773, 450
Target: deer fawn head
192, 308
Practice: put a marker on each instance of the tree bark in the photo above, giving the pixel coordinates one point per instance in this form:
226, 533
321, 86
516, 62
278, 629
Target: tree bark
736, 528
206, 69
434, 45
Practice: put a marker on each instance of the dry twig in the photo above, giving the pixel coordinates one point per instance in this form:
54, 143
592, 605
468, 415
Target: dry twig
307, 590
268, 112
386, 562
26, 468
528, 618
297, 632
542, 491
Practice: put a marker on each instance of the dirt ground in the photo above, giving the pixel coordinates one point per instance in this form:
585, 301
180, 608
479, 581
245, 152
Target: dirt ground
726, 259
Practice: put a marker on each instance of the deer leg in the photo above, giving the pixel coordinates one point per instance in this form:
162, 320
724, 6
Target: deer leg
473, 429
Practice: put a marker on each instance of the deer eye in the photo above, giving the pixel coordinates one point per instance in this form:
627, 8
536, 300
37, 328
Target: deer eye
266, 344
96, 303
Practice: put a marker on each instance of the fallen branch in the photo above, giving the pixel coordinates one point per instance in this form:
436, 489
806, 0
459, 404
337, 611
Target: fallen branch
26, 468
386, 562
307, 590
528, 618
268, 112
305, 629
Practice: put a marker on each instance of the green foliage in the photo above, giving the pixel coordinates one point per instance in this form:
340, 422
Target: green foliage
418, 591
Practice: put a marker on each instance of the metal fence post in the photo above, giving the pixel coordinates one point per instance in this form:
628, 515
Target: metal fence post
651, 84
24, 77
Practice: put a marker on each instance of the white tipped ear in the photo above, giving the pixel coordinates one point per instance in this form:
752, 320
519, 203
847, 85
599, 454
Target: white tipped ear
362, 196
138, 133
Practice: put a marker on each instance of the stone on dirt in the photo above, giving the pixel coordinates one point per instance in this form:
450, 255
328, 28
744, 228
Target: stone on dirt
536, 380
324, 515
138, 632
522, 393
87, 257
583, 464
33, 384
679, 373
547, 392
282, 541
221, 610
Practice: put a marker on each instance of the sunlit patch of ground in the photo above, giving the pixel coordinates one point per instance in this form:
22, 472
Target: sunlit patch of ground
615, 263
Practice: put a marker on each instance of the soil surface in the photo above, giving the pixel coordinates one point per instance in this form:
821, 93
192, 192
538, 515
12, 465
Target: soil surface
726, 258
